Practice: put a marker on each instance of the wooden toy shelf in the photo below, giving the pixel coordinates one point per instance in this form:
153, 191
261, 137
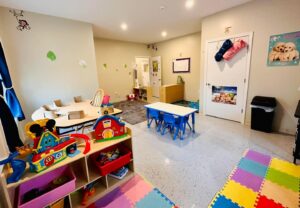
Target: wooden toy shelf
84, 169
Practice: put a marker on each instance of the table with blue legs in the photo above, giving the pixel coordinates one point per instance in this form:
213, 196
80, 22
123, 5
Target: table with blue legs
182, 112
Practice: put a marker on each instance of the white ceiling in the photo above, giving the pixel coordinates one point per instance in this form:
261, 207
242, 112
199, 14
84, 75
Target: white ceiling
144, 18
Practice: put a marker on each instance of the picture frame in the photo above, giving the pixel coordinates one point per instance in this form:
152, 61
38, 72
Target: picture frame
182, 65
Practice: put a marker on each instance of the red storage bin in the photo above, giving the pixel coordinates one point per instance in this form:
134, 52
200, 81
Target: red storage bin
109, 167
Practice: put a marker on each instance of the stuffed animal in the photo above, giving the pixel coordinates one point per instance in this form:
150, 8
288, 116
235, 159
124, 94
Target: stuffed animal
225, 47
236, 47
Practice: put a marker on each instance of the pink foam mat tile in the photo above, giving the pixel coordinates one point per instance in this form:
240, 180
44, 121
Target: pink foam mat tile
139, 191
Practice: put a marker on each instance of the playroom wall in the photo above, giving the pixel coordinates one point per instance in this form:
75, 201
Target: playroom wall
264, 18
36, 79
188, 46
116, 79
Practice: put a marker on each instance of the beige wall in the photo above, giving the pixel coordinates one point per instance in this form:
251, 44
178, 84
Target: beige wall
36, 79
264, 18
183, 47
116, 80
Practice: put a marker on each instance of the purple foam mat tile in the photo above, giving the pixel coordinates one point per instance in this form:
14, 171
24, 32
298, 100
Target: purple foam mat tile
247, 179
258, 157
108, 198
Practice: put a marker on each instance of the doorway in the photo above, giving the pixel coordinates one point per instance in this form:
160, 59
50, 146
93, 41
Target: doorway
226, 82
155, 75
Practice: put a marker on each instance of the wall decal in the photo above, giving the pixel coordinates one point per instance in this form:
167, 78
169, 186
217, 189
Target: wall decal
82, 63
125, 66
284, 49
223, 94
104, 66
51, 56
22, 23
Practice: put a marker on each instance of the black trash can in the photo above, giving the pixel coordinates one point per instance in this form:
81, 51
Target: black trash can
262, 113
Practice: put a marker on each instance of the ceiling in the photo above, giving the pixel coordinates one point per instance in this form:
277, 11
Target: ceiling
145, 18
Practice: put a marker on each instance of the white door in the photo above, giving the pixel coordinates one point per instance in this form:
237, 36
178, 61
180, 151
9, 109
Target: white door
155, 75
143, 71
227, 81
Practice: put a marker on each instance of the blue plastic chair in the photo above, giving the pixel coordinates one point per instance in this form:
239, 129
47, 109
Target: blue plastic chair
157, 117
170, 122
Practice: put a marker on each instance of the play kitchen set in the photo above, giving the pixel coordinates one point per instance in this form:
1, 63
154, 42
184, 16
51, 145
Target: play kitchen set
62, 171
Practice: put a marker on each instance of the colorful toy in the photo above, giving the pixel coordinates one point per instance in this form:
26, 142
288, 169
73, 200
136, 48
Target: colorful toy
107, 109
131, 97
109, 127
87, 192
260, 181
49, 148
17, 165
105, 100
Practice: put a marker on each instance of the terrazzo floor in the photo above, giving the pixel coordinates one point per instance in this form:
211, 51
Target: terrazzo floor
191, 171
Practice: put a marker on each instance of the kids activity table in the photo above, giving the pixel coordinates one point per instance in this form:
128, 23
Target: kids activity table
91, 114
175, 110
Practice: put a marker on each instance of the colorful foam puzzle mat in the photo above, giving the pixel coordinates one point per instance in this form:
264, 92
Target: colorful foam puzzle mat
136, 193
260, 181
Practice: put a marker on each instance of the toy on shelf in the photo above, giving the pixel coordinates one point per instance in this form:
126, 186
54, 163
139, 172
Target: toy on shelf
17, 165
88, 191
105, 100
109, 127
120, 173
107, 109
49, 148
131, 97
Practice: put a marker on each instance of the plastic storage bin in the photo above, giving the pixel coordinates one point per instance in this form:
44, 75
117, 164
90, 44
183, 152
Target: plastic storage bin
262, 113
123, 160
42, 182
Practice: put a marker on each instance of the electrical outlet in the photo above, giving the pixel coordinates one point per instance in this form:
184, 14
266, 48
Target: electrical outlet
299, 88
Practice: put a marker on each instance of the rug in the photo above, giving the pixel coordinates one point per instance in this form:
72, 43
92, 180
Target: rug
136, 193
260, 181
134, 112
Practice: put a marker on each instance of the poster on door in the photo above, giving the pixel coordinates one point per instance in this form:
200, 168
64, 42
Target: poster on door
284, 49
224, 94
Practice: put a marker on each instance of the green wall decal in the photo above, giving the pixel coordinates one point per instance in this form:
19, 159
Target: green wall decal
125, 66
104, 66
51, 56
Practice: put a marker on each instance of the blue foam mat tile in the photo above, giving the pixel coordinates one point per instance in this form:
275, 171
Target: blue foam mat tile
223, 202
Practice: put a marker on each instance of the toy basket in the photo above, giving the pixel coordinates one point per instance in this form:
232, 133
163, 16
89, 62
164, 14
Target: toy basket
109, 167
42, 182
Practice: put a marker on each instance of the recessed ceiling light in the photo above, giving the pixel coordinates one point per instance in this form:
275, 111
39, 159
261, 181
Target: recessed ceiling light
189, 4
164, 33
124, 26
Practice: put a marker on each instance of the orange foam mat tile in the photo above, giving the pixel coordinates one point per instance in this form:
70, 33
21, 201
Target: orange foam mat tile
280, 194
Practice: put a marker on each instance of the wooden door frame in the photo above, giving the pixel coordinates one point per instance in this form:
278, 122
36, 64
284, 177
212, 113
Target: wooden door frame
248, 65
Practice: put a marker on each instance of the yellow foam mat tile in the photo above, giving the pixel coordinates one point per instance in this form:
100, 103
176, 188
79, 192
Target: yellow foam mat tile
239, 194
280, 194
285, 167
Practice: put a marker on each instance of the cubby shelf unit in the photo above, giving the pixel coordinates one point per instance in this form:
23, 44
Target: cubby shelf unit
84, 169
